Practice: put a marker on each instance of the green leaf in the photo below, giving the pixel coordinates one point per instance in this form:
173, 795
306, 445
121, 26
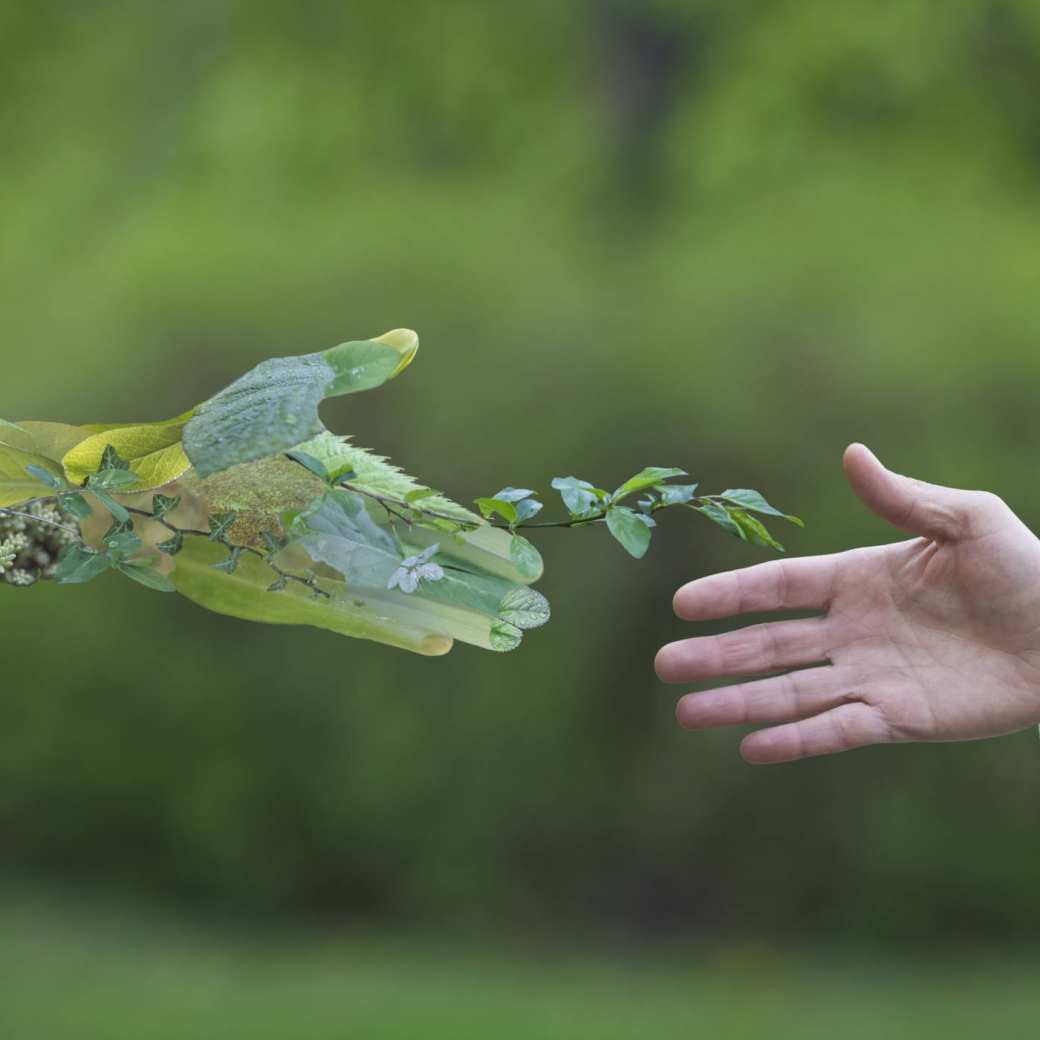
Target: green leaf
715, 512
230, 563
392, 618
526, 557
646, 478
316, 466
49, 439
748, 499
274, 407
505, 637
119, 480
524, 607
111, 459
118, 511
16, 483
122, 543
419, 494
163, 504
274, 544
753, 530
144, 573
44, 476
79, 564
220, 524
172, 545
630, 529
527, 508
339, 531
77, 505
278, 584
375, 475
676, 494
151, 452
511, 494
489, 506
578, 496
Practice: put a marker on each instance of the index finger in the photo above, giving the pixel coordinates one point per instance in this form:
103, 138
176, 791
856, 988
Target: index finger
805, 583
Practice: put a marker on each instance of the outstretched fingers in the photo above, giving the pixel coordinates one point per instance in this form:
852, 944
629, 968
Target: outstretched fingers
842, 728
781, 698
747, 651
798, 584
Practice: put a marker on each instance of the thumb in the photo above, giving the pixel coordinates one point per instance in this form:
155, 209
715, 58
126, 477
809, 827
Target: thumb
929, 510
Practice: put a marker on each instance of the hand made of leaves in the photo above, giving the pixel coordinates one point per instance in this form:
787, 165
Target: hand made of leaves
247, 505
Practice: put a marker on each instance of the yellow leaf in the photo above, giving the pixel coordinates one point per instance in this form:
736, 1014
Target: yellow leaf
153, 450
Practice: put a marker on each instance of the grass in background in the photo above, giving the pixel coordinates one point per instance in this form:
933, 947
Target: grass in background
74, 970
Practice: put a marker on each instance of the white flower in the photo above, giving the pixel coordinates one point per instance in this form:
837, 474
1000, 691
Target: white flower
7, 554
414, 570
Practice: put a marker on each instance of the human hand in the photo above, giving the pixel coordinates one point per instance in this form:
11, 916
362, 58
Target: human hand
936, 638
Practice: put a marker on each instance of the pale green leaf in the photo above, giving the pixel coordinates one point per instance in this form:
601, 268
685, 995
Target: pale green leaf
274, 407
630, 529
646, 478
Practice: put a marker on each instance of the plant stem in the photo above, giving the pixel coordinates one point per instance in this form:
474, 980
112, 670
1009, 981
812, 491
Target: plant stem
39, 519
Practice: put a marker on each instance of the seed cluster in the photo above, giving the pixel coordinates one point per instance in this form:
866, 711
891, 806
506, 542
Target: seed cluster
30, 547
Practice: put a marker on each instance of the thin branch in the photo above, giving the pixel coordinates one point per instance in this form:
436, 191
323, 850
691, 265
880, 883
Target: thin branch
40, 519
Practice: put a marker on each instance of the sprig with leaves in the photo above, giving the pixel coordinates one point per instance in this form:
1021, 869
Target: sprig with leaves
247, 505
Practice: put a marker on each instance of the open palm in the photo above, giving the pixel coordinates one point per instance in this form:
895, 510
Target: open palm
936, 638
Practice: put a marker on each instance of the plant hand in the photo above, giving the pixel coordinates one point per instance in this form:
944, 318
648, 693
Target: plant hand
936, 638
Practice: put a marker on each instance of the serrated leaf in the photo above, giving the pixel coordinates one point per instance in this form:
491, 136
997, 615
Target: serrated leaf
375, 475
748, 499
490, 506
526, 557
274, 407
419, 494
578, 496
144, 573
646, 478
78, 565
630, 529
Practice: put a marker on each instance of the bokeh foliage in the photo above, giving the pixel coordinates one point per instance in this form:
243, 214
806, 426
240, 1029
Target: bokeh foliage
730, 238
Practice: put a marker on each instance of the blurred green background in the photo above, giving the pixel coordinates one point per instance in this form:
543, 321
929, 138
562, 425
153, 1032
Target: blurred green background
730, 237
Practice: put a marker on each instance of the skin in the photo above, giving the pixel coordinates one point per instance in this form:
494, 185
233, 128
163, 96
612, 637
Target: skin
936, 638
